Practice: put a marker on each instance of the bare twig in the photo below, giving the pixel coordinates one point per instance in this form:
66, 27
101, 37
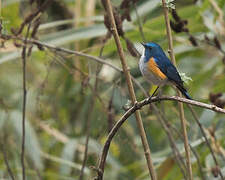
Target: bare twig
139, 105
95, 93
33, 15
176, 152
221, 15
24, 103
139, 23
77, 15
206, 140
164, 122
87, 138
111, 112
186, 146
192, 149
181, 108
93, 100
109, 10
2, 146
198, 162
58, 49
170, 127
3, 139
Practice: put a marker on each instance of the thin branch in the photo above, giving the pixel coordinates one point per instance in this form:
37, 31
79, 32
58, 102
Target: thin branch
6, 160
210, 44
177, 155
93, 100
206, 140
87, 138
140, 26
221, 14
163, 119
192, 149
170, 127
139, 105
109, 11
181, 108
186, 146
166, 127
64, 50
68, 51
33, 15
3, 140
24, 104
198, 162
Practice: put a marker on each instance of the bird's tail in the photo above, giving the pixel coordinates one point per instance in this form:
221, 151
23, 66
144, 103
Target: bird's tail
184, 92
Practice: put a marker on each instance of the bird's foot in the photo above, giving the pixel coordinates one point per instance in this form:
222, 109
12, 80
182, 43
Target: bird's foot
156, 96
136, 104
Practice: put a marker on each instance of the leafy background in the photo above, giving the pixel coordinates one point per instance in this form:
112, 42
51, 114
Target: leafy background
62, 102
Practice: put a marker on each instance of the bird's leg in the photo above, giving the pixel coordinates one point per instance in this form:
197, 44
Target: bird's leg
159, 93
154, 92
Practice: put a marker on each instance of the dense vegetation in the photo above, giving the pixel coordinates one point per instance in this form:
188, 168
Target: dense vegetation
70, 97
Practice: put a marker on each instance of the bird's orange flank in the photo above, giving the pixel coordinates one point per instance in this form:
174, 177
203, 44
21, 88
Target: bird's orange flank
152, 66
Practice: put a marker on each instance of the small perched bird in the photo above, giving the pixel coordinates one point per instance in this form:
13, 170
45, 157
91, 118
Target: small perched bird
156, 67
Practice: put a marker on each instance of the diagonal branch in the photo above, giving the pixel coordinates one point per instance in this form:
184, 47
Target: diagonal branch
42, 45
138, 106
2, 148
206, 140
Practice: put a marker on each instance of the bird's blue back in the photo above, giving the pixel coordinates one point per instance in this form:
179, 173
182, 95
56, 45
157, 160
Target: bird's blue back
162, 61
157, 62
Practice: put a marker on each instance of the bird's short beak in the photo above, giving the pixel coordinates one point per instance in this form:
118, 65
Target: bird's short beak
143, 44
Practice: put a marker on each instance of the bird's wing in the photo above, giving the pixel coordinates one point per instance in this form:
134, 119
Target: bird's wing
153, 67
165, 65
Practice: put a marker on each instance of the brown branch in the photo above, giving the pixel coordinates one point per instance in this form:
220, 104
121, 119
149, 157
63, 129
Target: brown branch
162, 118
113, 28
2, 147
181, 108
167, 128
64, 50
87, 138
206, 140
138, 106
88, 123
198, 162
24, 55
74, 68
68, 51
3, 139
170, 127
192, 149
221, 15
139, 23
176, 152
33, 15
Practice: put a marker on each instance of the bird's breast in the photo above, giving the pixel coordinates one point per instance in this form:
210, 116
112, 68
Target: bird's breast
151, 72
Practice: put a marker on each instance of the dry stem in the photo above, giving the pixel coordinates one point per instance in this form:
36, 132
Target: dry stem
133, 98
139, 105
181, 108
24, 55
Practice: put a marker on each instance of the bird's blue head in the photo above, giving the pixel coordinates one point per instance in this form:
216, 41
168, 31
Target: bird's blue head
152, 49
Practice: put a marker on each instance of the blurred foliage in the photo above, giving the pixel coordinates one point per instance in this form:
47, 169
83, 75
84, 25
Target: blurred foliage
62, 95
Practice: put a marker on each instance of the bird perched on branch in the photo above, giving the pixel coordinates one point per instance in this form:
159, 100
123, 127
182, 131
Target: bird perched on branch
156, 67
